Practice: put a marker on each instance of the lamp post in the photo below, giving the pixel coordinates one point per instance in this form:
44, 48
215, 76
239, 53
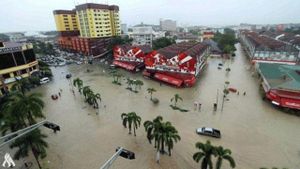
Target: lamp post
120, 151
20, 133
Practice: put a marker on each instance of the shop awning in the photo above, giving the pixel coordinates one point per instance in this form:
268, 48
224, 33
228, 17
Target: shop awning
124, 65
291, 103
168, 79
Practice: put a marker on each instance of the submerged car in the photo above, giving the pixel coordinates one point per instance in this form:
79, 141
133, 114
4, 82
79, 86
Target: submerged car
209, 132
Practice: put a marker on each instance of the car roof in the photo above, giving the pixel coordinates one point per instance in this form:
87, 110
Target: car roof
208, 129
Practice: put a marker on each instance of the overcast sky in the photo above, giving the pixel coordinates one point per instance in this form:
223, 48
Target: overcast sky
36, 15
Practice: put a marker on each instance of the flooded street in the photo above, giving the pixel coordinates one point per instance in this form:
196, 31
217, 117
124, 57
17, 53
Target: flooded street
257, 134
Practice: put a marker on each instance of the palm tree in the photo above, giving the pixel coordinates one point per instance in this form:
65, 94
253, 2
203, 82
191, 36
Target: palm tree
132, 120
93, 99
150, 91
139, 83
21, 111
151, 127
163, 133
205, 153
33, 141
118, 76
129, 83
167, 132
171, 137
24, 108
224, 154
78, 83
86, 90
113, 73
176, 98
21, 85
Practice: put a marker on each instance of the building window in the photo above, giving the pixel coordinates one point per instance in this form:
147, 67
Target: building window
24, 71
29, 55
7, 61
19, 58
6, 76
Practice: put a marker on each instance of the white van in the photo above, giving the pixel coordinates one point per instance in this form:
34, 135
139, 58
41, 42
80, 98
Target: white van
44, 80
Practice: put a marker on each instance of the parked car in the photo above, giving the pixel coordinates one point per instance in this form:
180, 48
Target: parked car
209, 132
44, 80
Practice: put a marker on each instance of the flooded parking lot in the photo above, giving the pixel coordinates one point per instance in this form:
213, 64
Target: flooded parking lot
258, 134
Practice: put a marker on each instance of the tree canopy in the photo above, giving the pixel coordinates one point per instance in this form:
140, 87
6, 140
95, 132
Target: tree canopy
226, 41
162, 42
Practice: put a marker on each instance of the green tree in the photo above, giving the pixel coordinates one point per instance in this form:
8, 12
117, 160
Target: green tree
176, 98
138, 84
132, 120
34, 142
21, 85
151, 127
151, 91
78, 83
129, 83
45, 69
163, 134
170, 136
221, 154
205, 154
20, 111
162, 42
93, 99
24, 109
86, 91
118, 40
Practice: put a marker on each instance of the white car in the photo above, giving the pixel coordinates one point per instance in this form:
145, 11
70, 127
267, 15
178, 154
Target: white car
44, 80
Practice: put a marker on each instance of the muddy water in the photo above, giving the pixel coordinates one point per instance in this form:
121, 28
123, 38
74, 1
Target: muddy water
257, 134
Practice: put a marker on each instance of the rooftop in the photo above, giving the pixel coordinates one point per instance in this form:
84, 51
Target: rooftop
263, 41
280, 76
96, 6
190, 48
144, 48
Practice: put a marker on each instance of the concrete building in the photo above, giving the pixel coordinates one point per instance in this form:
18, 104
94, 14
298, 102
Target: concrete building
88, 28
17, 61
167, 25
144, 35
281, 84
124, 29
262, 48
16, 37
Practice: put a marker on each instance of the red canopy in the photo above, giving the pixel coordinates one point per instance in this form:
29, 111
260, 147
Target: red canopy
124, 65
168, 79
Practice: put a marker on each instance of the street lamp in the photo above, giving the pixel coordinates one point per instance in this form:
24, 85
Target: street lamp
20, 133
120, 151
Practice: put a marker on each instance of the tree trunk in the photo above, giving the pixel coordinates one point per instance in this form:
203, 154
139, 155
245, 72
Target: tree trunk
134, 131
162, 146
157, 156
35, 156
151, 96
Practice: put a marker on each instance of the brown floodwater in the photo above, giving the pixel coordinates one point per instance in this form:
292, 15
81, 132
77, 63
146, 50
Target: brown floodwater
258, 134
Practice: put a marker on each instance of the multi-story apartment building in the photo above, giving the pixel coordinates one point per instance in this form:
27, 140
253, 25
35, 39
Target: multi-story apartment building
17, 61
144, 35
88, 28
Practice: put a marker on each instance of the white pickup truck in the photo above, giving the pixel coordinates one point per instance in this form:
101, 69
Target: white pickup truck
209, 132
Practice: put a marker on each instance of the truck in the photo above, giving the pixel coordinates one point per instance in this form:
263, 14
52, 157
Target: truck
209, 132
